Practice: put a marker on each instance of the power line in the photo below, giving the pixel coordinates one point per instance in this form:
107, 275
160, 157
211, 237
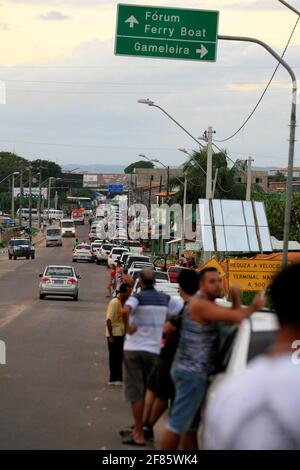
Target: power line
265, 90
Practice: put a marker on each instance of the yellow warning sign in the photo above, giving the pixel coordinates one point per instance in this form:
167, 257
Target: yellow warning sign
251, 274
213, 263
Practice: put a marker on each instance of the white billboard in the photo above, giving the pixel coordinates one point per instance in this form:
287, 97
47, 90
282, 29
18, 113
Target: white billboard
34, 192
90, 181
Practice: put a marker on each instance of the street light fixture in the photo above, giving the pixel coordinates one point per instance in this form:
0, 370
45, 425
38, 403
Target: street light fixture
15, 173
152, 103
192, 156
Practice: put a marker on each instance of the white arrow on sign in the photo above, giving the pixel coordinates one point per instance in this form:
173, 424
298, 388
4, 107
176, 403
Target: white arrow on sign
132, 21
203, 51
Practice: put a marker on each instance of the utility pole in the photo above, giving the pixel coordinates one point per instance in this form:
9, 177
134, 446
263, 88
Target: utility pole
30, 197
208, 136
21, 197
215, 183
56, 200
150, 194
249, 179
40, 195
13, 197
49, 196
168, 182
184, 207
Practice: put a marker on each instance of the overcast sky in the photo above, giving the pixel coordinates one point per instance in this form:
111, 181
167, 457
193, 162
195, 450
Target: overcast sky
69, 99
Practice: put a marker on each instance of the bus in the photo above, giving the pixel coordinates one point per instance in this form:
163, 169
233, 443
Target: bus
25, 213
80, 203
53, 214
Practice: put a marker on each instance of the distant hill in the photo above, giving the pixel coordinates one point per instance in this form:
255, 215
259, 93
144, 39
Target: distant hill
94, 168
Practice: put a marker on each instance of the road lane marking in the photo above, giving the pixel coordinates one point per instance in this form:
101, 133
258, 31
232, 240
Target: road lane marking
14, 311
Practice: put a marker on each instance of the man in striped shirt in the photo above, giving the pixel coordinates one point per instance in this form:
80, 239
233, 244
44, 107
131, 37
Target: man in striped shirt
145, 315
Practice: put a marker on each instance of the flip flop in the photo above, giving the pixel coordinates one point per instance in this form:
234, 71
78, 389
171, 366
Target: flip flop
125, 432
128, 440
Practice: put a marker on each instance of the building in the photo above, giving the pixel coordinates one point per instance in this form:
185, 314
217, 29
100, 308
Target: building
155, 179
159, 176
67, 181
280, 186
259, 178
107, 183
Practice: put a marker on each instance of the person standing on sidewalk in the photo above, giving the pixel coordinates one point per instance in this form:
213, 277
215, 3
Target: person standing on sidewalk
145, 314
196, 355
115, 331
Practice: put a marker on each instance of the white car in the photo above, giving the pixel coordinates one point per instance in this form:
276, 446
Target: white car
102, 254
239, 344
168, 288
59, 281
83, 252
67, 228
115, 255
95, 246
159, 277
140, 266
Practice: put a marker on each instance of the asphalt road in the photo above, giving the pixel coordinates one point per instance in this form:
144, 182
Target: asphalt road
53, 388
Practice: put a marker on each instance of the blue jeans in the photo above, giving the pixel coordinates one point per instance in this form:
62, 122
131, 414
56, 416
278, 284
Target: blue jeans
190, 390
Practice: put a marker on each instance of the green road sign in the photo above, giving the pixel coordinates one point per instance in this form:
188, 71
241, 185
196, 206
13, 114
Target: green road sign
167, 33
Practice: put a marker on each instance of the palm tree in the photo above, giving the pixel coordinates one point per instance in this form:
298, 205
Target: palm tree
227, 186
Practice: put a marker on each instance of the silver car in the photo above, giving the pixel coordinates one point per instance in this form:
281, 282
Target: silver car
83, 252
53, 237
59, 281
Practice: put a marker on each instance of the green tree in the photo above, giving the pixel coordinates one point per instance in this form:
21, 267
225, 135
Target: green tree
275, 208
48, 168
227, 185
9, 163
82, 192
278, 177
140, 164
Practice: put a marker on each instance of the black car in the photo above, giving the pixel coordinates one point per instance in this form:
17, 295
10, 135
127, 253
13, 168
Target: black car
21, 248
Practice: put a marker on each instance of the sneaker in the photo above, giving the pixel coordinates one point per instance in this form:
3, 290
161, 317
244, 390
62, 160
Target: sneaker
117, 382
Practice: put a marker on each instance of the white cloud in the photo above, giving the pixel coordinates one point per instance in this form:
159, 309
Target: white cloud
54, 16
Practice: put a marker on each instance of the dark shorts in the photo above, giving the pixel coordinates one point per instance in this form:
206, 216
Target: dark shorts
160, 382
139, 367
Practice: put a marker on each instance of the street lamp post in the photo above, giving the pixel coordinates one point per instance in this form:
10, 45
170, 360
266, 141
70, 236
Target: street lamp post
40, 195
49, 195
292, 135
30, 198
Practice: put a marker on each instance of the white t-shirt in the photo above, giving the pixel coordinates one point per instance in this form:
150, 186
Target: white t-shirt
259, 409
149, 310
